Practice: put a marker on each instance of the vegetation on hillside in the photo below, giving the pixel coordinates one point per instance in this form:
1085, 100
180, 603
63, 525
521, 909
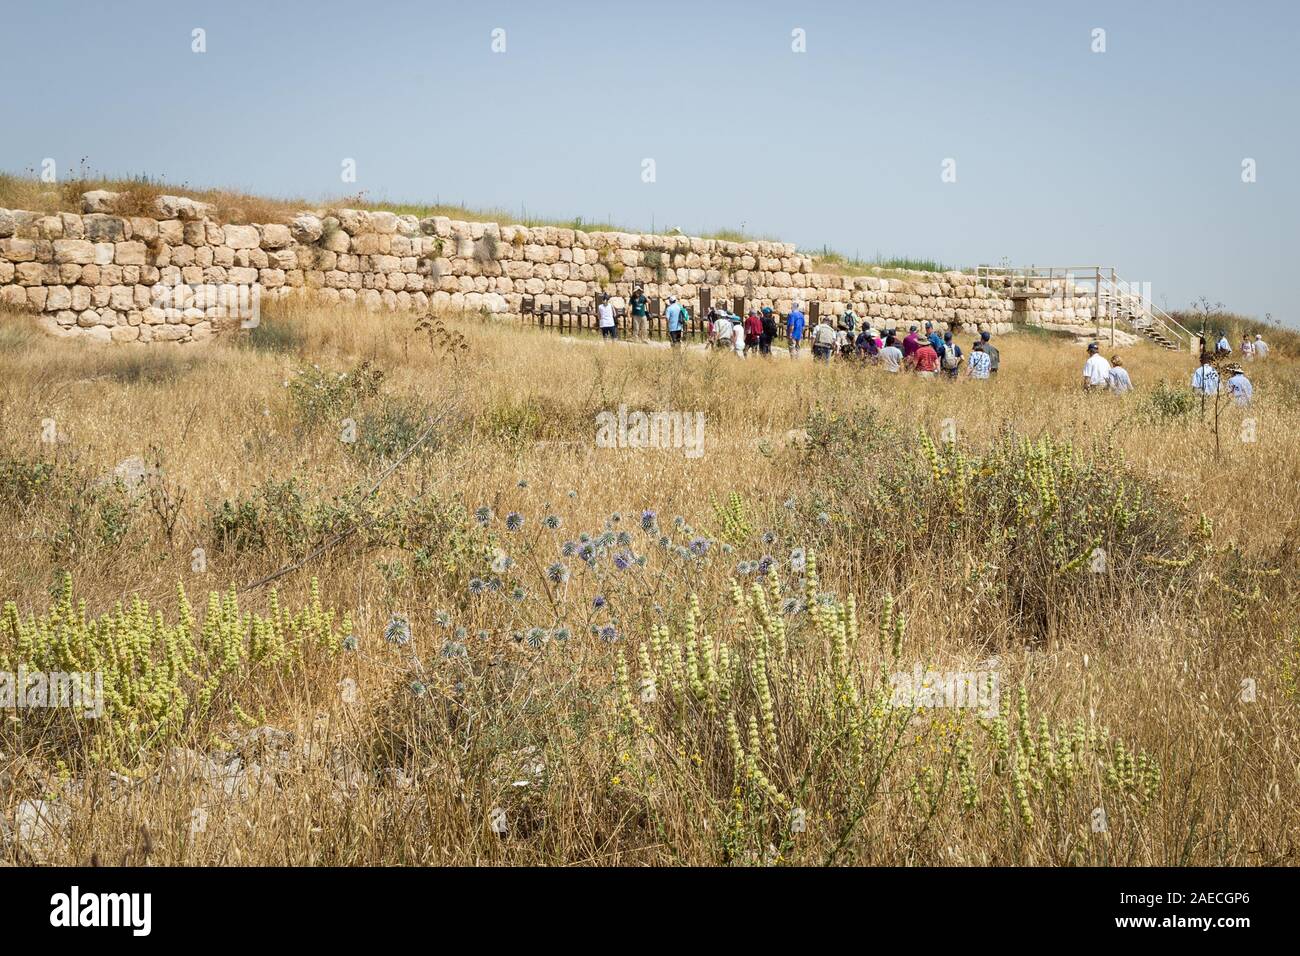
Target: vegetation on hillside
372, 595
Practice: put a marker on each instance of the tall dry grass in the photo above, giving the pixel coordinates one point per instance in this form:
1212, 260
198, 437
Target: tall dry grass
385, 751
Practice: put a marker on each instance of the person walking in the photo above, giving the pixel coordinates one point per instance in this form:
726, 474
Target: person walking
605, 318
992, 352
722, 329
978, 364
769, 331
1205, 380
1247, 348
639, 306
1223, 347
849, 319
823, 340
1239, 386
738, 337
753, 331
794, 325
1096, 371
676, 320
1261, 347
1117, 380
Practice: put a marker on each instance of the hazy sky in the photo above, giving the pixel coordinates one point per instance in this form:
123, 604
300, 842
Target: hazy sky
1131, 157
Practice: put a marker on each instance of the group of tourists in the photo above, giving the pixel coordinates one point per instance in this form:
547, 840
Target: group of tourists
923, 351
1102, 375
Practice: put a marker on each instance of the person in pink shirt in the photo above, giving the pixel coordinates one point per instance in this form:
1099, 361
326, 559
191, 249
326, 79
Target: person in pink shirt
911, 343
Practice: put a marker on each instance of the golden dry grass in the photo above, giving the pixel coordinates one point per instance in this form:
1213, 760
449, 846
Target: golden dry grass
1162, 669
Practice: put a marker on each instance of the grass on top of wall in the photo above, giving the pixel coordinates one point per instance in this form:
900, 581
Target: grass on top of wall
837, 263
239, 206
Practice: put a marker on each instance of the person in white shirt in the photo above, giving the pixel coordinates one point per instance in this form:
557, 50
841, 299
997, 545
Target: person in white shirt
1239, 386
722, 330
979, 362
1247, 348
1261, 347
1205, 380
1222, 345
605, 319
1118, 379
738, 338
1096, 371
891, 356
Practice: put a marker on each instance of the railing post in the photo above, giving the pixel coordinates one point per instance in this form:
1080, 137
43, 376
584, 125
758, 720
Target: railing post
1112, 311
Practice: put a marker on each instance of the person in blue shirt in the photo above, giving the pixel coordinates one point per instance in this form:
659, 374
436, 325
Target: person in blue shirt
936, 340
674, 316
1239, 386
1205, 380
950, 357
794, 324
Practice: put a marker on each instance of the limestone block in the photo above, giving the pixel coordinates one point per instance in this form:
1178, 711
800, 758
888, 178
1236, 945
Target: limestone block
99, 200
78, 251
129, 253
306, 228
181, 207
241, 237
354, 221
276, 236
18, 250
102, 228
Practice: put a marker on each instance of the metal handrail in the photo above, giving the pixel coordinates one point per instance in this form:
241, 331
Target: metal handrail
1108, 289
1157, 314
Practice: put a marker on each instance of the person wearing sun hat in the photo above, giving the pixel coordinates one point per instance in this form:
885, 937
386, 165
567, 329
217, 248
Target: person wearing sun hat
1239, 386
640, 309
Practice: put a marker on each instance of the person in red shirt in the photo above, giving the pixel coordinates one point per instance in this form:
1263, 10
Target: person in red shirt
753, 331
925, 360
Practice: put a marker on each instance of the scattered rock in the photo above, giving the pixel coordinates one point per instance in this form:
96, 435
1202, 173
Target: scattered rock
38, 824
99, 200
181, 207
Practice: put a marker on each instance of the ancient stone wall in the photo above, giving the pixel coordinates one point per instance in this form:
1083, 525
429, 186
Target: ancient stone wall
178, 275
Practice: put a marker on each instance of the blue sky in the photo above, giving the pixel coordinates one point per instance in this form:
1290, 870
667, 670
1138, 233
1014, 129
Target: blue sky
1131, 157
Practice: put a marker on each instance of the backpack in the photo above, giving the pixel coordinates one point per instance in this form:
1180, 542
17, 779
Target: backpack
951, 359
684, 316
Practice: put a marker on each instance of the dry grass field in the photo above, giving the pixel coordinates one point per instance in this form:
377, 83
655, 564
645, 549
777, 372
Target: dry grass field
512, 646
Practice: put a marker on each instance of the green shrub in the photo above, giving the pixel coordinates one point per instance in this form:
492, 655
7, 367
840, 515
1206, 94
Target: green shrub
1165, 404
320, 395
159, 677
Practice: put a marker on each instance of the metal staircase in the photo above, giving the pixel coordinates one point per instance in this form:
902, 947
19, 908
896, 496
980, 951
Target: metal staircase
1098, 289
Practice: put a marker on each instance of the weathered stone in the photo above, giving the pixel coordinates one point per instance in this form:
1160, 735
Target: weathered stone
241, 237
79, 251
275, 236
99, 200
130, 254
353, 221
306, 228
181, 207
103, 228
